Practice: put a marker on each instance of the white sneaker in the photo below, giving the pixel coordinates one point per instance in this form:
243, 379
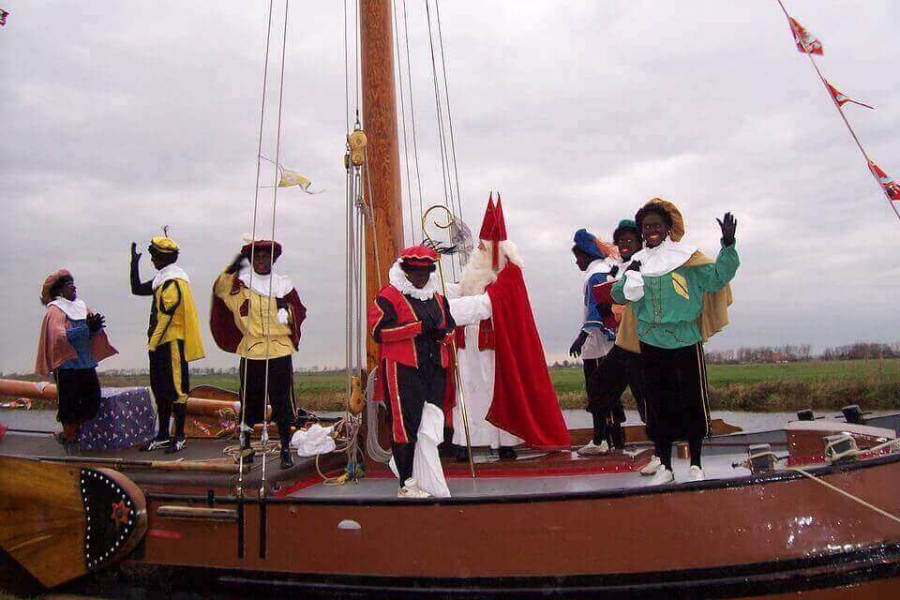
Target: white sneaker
696, 473
592, 448
412, 490
651, 467
663, 476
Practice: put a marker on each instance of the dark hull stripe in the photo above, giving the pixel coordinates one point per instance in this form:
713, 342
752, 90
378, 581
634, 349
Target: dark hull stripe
776, 577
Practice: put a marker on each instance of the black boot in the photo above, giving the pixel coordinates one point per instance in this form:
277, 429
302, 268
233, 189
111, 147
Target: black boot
460, 453
178, 444
284, 432
617, 436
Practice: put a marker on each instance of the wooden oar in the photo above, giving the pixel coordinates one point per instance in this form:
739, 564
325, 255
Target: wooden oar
159, 465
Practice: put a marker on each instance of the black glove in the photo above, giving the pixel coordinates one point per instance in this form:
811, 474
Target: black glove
728, 224
235, 265
575, 349
613, 272
634, 266
95, 322
280, 303
135, 255
604, 309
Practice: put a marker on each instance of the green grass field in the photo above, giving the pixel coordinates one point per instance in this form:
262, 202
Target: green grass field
873, 384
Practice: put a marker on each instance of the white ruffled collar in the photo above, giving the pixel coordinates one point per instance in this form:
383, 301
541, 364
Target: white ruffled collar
398, 279
281, 285
601, 265
76, 309
168, 272
665, 258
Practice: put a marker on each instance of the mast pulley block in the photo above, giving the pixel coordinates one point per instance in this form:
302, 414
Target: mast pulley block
357, 141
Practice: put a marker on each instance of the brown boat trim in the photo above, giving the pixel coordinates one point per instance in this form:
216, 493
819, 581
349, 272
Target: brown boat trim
817, 572
748, 480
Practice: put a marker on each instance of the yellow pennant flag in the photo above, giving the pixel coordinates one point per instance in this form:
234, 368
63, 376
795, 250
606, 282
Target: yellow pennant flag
292, 178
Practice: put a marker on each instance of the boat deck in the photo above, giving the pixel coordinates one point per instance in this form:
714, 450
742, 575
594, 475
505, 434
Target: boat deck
511, 482
533, 473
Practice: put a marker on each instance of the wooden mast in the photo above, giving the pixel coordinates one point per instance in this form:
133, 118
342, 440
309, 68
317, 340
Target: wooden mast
383, 165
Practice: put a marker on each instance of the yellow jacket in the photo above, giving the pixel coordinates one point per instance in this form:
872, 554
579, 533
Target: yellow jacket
173, 316
255, 315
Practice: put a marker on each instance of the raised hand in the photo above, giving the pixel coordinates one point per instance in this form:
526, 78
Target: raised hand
235, 265
96, 322
135, 255
728, 224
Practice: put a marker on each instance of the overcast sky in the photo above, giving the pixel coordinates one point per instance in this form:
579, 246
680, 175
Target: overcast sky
118, 118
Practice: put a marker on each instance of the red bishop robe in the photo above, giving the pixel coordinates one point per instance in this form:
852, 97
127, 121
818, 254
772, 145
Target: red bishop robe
524, 402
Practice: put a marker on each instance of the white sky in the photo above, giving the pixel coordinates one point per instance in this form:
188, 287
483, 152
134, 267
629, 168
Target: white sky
118, 118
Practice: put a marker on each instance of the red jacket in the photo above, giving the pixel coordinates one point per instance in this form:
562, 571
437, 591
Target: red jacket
396, 333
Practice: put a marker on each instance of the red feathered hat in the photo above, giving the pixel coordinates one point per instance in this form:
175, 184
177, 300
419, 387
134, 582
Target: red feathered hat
493, 228
271, 246
419, 257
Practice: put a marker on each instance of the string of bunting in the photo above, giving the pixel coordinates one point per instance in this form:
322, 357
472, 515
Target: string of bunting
809, 44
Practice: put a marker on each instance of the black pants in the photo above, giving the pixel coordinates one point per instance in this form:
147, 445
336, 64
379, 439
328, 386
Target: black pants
415, 388
281, 391
169, 375
79, 395
605, 381
616, 371
676, 391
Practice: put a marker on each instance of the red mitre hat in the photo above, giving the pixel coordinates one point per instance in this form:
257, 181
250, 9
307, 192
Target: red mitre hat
419, 257
493, 228
271, 246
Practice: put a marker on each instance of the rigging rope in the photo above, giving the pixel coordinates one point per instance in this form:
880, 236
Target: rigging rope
267, 321
437, 6
262, 118
837, 105
442, 138
412, 109
412, 227
856, 499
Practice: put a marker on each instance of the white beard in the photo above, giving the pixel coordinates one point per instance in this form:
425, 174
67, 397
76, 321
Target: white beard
479, 273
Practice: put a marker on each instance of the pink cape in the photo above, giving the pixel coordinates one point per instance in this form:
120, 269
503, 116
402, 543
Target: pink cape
54, 348
524, 402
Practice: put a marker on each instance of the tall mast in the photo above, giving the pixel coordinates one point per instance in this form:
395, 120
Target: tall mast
382, 184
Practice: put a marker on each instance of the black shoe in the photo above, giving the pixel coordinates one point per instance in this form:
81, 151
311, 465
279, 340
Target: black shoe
155, 444
507, 453
177, 445
461, 454
286, 461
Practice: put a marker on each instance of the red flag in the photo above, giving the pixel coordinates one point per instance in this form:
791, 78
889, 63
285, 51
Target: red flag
3, 15
842, 98
806, 42
890, 187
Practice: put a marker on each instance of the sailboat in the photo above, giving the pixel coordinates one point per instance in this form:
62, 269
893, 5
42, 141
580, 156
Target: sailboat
810, 509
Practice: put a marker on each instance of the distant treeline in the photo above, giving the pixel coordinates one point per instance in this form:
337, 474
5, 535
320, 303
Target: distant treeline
788, 353
803, 352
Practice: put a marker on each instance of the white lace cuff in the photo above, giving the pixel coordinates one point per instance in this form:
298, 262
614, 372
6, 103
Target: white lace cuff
634, 286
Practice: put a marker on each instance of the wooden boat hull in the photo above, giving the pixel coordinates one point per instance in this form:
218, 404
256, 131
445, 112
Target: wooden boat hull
773, 535
61, 521
560, 525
